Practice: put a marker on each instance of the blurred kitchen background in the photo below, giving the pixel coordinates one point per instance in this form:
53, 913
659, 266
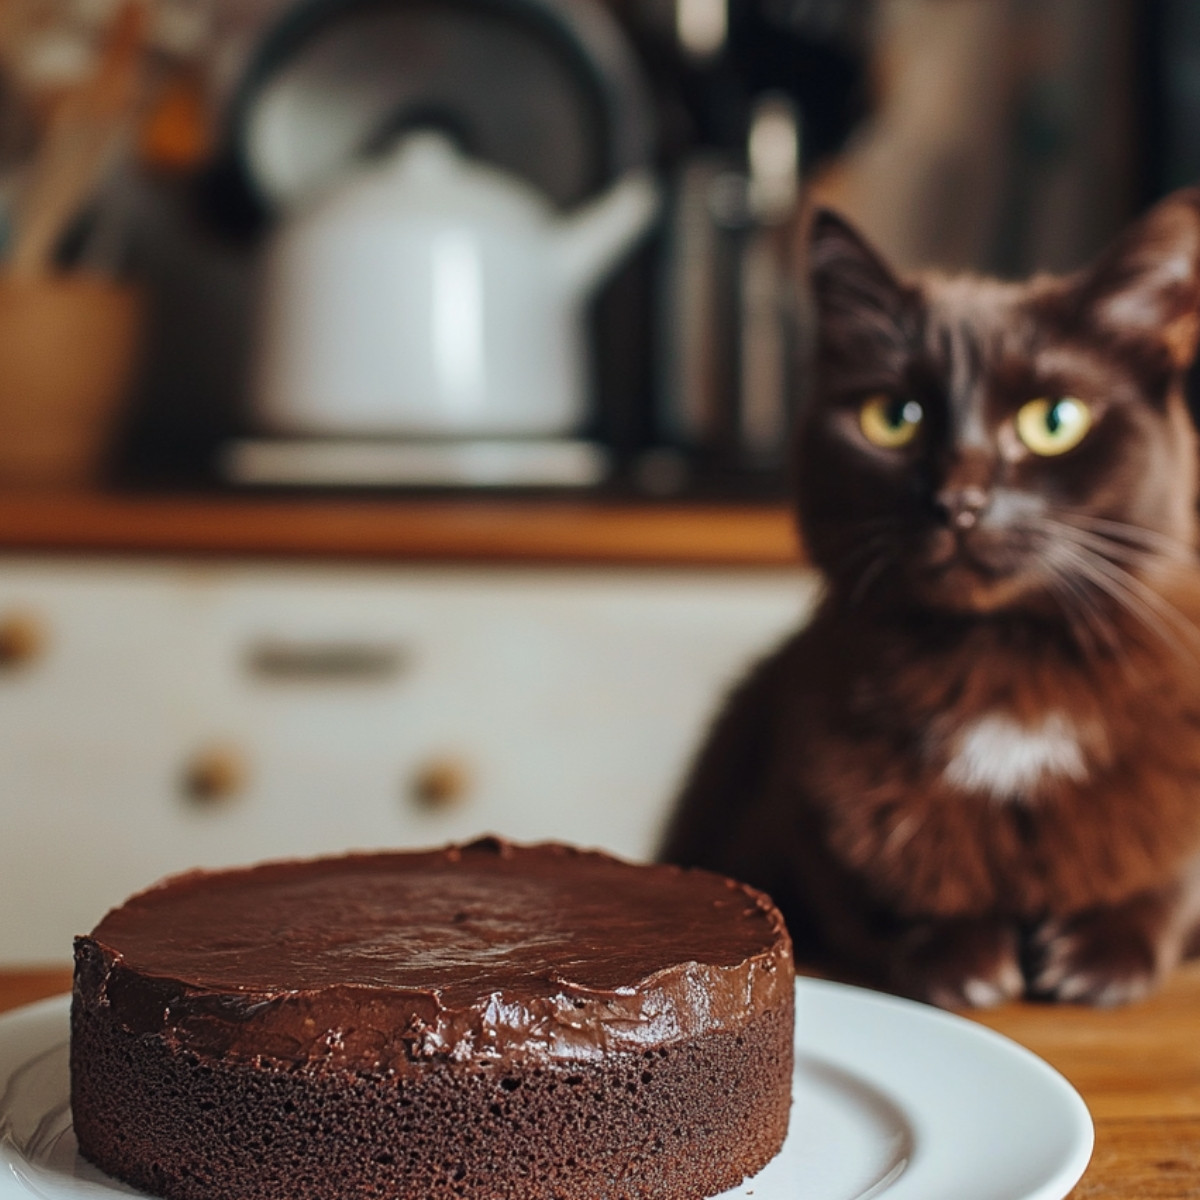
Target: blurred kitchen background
394, 394
321, 203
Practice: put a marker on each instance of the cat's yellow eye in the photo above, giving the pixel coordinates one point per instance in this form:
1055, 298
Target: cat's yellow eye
1051, 427
890, 421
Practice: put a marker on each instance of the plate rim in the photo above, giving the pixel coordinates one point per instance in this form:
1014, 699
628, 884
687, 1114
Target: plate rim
1079, 1127
851, 1001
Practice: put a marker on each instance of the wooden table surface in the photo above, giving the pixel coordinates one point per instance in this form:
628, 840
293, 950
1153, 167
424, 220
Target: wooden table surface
1137, 1068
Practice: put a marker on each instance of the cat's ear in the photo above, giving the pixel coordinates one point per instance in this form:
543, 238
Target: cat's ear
860, 305
1146, 285
846, 273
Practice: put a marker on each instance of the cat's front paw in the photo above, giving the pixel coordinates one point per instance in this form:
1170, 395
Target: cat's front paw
959, 964
1105, 956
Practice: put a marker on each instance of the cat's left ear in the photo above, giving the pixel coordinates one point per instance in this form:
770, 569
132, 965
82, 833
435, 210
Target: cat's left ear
1146, 285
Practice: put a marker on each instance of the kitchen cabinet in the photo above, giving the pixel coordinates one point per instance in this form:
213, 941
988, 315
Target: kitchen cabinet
162, 713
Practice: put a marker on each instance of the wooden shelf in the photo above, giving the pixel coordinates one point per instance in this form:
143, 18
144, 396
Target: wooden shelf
470, 529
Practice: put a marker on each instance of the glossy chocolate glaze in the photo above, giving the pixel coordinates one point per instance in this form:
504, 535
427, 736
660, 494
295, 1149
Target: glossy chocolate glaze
485, 951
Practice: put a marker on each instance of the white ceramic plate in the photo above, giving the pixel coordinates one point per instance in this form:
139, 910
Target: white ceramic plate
892, 1099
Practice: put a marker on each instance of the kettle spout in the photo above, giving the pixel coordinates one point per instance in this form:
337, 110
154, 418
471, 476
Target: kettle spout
591, 241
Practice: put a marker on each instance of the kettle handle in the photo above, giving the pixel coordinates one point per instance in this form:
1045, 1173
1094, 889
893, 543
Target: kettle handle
594, 238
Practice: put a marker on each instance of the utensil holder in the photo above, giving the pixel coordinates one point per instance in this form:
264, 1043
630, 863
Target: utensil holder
68, 345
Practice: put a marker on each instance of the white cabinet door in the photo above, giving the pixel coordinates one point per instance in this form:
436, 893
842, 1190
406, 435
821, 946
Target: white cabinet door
179, 715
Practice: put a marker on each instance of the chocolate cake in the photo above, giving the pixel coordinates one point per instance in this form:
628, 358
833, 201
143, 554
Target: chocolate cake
488, 1020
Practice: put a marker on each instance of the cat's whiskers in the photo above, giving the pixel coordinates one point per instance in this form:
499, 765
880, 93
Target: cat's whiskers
872, 573
1086, 585
1131, 594
874, 552
1119, 542
1172, 619
1118, 555
1088, 622
1134, 560
1123, 533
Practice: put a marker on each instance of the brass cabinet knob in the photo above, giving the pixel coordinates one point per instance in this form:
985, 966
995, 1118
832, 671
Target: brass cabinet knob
22, 639
215, 775
440, 783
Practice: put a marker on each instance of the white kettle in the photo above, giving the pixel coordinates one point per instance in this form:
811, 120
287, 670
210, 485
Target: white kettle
434, 296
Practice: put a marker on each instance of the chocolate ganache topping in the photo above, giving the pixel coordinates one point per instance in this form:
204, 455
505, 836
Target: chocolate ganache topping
488, 950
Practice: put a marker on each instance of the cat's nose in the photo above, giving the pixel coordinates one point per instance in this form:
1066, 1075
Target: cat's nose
961, 507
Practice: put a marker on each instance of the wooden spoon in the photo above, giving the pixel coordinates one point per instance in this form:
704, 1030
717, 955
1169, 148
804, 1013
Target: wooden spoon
83, 137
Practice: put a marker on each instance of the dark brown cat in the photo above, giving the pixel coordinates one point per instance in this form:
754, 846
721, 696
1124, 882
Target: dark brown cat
976, 773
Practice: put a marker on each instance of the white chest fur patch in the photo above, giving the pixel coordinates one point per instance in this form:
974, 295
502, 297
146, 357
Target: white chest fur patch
1008, 761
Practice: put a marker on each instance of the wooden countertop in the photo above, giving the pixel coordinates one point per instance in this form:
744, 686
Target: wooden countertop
1138, 1069
480, 530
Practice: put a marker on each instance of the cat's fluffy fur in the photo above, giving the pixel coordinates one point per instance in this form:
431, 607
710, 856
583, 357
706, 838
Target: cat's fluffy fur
976, 773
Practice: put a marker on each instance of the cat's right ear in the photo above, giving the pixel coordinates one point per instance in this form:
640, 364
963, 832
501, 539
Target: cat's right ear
1146, 285
852, 287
